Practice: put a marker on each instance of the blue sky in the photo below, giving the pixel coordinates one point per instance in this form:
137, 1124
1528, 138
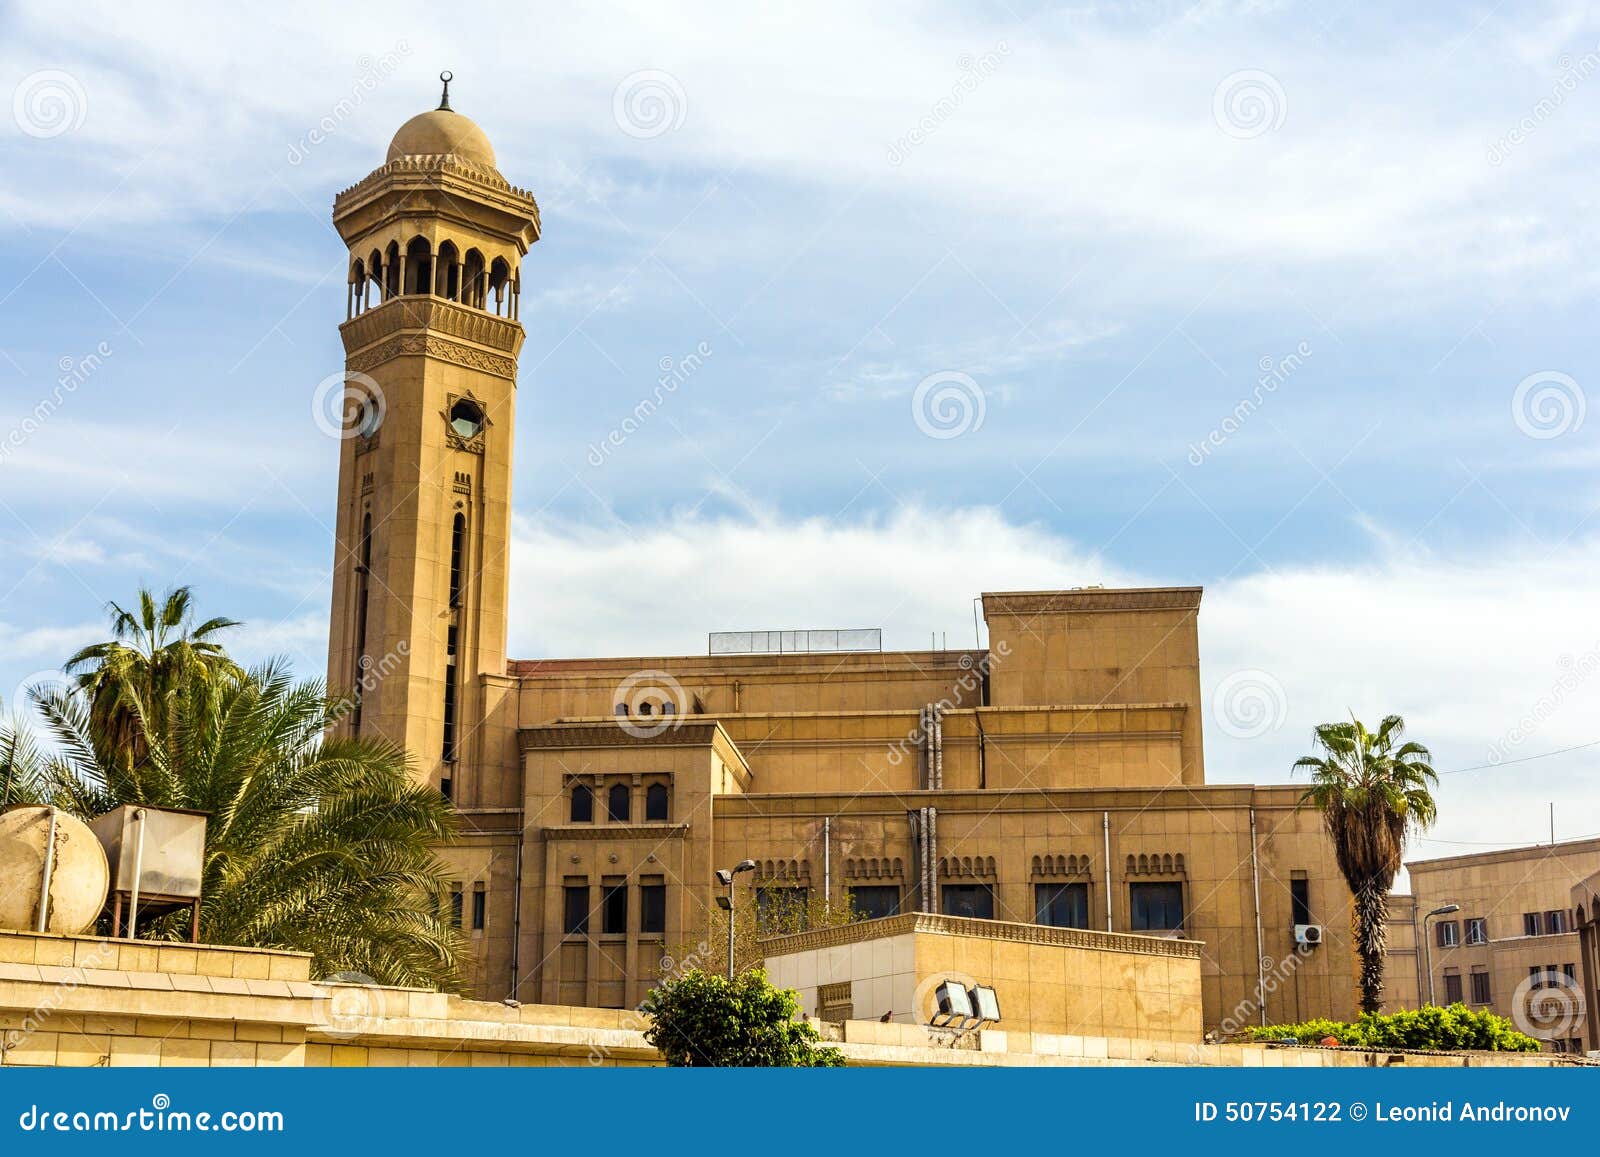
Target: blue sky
1093, 226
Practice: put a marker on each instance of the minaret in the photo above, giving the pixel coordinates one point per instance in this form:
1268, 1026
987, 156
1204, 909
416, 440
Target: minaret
436, 238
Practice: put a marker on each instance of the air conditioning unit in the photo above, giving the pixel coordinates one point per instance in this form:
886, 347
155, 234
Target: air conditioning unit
1308, 933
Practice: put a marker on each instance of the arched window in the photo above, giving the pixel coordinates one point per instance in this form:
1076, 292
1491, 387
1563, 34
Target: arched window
617, 803
458, 542
474, 280
499, 284
419, 266
391, 271
363, 569
447, 279
655, 802
582, 804
668, 707
620, 709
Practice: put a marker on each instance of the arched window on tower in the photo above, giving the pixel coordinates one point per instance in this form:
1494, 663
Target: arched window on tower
447, 278
358, 288
458, 546
373, 294
582, 804
617, 803
391, 271
363, 572
499, 286
419, 266
473, 276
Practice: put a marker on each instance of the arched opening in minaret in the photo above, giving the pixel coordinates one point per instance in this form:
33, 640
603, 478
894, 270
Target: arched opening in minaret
419, 266
358, 289
391, 271
372, 292
499, 285
473, 278
447, 277
362, 663
458, 548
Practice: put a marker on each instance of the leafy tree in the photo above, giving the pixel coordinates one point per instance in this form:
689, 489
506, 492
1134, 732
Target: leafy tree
1455, 1027
702, 1019
320, 845
1373, 792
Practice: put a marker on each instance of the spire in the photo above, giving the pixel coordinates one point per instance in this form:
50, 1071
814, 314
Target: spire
444, 98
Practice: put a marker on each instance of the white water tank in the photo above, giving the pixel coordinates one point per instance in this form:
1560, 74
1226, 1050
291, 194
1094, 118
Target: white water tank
79, 874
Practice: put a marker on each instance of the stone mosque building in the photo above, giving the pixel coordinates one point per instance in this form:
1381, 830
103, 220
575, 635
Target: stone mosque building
1054, 779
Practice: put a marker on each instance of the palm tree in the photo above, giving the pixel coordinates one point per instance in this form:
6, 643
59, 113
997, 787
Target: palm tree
131, 678
1372, 795
313, 844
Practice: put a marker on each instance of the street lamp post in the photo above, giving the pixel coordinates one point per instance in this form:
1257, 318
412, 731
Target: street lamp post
1427, 944
725, 877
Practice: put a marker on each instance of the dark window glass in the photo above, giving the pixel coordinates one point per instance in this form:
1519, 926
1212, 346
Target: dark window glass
1532, 924
1480, 988
458, 543
1555, 922
974, 900
620, 709
617, 803
655, 802
455, 907
1477, 931
576, 917
652, 908
874, 901
1571, 972
782, 910
1061, 905
582, 804
1452, 988
448, 753
1448, 933
480, 903
1300, 900
1156, 907
614, 910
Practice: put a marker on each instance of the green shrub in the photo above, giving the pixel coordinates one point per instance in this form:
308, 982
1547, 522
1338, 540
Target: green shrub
704, 1020
1453, 1028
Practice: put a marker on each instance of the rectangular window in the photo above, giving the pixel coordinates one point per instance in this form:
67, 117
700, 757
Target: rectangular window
1571, 972
480, 904
973, 900
782, 910
1448, 933
1061, 905
1536, 975
455, 907
575, 920
1452, 988
1480, 988
1532, 924
1555, 922
1477, 931
653, 907
1300, 898
614, 909
1156, 907
874, 901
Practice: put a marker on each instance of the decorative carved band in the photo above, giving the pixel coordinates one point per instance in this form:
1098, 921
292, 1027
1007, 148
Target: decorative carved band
1061, 865
927, 922
976, 867
783, 870
615, 831
437, 315
434, 347
1154, 865
874, 868
1093, 599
